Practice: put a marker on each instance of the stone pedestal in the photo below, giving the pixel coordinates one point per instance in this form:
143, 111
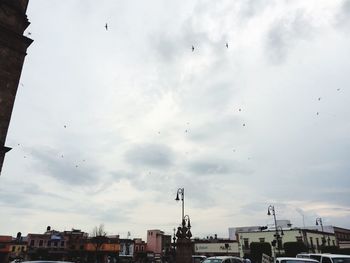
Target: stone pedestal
183, 250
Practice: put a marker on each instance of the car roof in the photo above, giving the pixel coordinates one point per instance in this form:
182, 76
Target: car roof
222, 257
45, 261
298, 259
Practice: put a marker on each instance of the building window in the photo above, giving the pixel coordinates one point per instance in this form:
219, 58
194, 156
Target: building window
262, 239
13, 249
246, 243
32, 242
62, 243
41, 242
49, 243
136, 248
141, 248
23, 248
55, 243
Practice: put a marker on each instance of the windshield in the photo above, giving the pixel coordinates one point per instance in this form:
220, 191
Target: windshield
212, 260
341, 260
296, 261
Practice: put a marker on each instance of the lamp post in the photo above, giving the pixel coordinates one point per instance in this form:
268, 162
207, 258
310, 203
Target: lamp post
181, 192
319, 222
183, 233
270, 209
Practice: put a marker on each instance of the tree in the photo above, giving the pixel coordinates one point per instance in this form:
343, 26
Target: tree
98, 238
259, 248
291, 249
330, 249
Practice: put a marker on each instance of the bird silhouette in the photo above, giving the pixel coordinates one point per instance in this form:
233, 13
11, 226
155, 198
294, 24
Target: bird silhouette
106, 26
319, 98
65, 126
192, 48
226, 45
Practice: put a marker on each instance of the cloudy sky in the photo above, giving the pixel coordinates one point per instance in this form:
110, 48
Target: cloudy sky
108, 124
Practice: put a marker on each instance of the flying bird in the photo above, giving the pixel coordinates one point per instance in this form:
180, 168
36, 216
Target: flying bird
192, 48
106, 26
243, 124
65, 126
226, 45
338, 89
319, 98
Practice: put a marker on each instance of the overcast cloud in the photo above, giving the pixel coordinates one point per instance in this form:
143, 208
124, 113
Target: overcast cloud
107, 125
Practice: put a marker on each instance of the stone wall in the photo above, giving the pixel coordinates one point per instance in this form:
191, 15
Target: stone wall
13, 47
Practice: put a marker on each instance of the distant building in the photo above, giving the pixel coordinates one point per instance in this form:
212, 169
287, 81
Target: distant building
158, 243
140, 250
232, 231
13, 47
126, 247
215, 247
50, 245
154, 241
5, 248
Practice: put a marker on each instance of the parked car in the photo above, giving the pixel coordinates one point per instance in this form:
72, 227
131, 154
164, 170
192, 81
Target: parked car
295, 260
223, 259
46, 261
198, 259
335, 258
312, 255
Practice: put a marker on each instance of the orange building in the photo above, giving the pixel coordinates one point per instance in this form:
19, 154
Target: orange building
106, 247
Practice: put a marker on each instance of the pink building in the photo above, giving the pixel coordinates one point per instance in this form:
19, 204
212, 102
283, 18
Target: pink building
154, 241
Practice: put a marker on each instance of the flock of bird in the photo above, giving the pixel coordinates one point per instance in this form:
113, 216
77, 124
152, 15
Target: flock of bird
186, 130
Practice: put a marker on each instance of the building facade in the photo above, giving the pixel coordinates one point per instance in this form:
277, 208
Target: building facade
154, 241
311, 239
216, 248
13, 47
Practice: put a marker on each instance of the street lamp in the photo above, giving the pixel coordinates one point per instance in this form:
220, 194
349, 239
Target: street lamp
319, 222
270, 209
181, 192
185, 230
